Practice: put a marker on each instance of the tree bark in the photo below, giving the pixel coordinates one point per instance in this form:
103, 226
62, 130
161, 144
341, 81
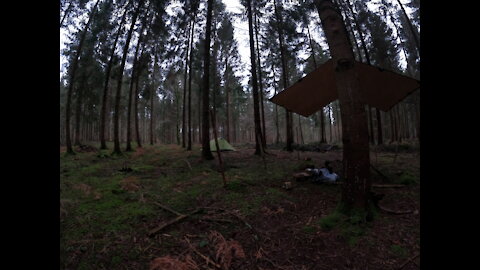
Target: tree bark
103, 111
206, 153
184, 118
73, 71
288, 114
132, 94
264, 131
152, 96
417, 43
116, 130
256, 109
190, 75
354, 119
227, 103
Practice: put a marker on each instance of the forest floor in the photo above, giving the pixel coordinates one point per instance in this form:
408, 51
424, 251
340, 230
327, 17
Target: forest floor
111, 207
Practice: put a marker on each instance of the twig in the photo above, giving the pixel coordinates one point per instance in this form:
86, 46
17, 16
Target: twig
175, 220
388, 186
409, 260
188, 163
207, 259
168, 209
395, 212
377, 171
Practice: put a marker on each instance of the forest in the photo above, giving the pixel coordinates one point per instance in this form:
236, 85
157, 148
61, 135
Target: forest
239, 134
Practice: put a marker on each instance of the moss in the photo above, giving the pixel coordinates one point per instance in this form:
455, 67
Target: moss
407, 179
330, 221
399, 251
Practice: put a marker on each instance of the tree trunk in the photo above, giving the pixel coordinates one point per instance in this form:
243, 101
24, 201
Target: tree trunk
190, 75
65, 14
264, 131
379, 127
184, 117
206, 153
288, 114
73, 70
137, 132
227, 101
354, 119
256, 109
116, 130
78, 111
414, 33
103, 112
153, 93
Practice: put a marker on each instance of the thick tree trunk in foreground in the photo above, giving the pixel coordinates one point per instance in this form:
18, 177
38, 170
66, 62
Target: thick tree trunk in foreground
116, 130
73, 70
206, 153
256, 109
356, 157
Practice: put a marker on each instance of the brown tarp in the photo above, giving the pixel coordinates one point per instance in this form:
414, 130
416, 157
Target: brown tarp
380, 88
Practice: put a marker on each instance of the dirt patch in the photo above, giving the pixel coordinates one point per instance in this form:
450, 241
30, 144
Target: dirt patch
87, 190
130, 184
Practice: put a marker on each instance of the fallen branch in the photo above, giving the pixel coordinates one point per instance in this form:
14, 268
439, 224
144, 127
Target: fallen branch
377, 171
207, 259
188, 163
168, 209
173, 221
395, 212
409, 260
388, 186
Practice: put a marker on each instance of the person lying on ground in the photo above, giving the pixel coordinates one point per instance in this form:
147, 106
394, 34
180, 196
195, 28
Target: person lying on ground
324, 175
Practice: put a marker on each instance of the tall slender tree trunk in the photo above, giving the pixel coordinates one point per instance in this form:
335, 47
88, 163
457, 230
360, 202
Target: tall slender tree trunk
78, 112
103, 110
116, 148
190, 75
73, 71
414, 33
153, 93
264, 131
256, 109
288, 114
206, 153
379, 127
227, 103
370, 124
300, 129
65, 14
137, 131
322, 114
356, 152
184, 117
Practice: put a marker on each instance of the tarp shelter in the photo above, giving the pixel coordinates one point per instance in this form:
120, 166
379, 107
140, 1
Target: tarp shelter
223, 144
379, 88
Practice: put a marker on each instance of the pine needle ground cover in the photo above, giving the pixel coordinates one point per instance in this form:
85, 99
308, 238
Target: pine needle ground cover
110, 205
